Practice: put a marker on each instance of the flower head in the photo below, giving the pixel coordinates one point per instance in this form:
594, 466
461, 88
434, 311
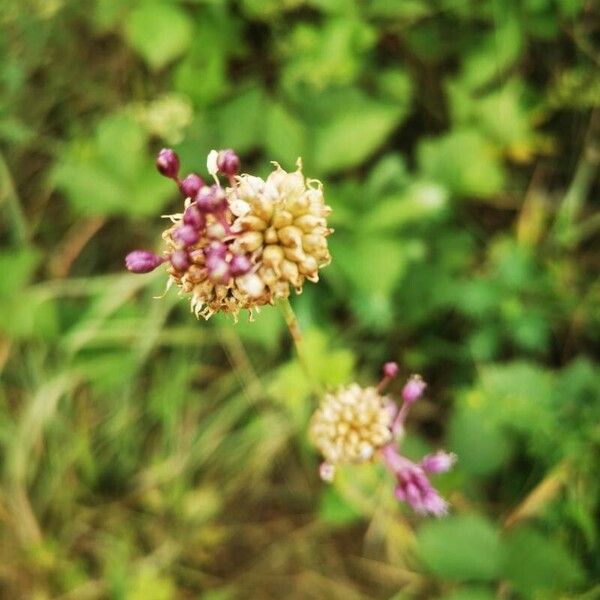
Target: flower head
282, 221
351, 425
358, 424
241, 246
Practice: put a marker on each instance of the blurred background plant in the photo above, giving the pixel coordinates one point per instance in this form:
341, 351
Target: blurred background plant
149, 456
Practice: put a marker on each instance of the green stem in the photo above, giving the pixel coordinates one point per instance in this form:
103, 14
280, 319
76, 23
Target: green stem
8, 196
292, 323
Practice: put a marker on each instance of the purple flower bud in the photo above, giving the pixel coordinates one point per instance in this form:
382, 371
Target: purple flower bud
194, 218
142, 261
413, 389
390, 369
191, 185
228, 162
211, 199
186, 235
240, 265
216, 248
412, 485
167, 163
440, 462
180, 260
218, 269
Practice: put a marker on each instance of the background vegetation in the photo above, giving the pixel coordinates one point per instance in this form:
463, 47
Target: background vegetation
147, 456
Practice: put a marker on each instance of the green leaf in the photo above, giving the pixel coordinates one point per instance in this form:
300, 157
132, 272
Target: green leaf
353, 134
16, 267
407, 9
120, 143
501, 114
534, 562
481, 447
420, 202
333, 366
90, 188
284, 136
373, 264
494, 54
463, 162
112, 172
265, 328
160, 32
389, 175
461, 548
396, 86
330, 54
239, 122
334, 510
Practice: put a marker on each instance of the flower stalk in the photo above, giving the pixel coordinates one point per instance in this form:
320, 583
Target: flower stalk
294, 328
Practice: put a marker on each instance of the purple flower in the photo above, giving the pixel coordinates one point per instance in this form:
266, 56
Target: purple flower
216, 248
390, 369
413, 389
240, 265
194, 218
412, 484
440, 462
186, 235
180, 259
167, 163
211, 199
228, 162
142, 261
191, 185
218, 269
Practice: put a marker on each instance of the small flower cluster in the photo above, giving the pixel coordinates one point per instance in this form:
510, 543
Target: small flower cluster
356, 424
241, 246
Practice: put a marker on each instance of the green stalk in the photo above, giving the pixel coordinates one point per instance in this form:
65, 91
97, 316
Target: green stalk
8, 196
292, 323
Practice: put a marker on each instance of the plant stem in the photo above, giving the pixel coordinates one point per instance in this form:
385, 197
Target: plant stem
16, 216
292, 322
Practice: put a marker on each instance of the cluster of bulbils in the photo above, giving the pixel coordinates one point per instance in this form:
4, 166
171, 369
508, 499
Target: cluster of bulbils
357, 425
243, 245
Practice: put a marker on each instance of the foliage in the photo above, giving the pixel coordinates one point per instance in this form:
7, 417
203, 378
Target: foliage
147, 455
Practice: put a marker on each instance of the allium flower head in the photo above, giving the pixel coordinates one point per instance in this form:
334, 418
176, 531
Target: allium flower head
351, 425
241, 246
358, 424
282, 221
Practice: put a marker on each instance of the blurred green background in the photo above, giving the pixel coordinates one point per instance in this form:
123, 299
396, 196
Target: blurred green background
149, 456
